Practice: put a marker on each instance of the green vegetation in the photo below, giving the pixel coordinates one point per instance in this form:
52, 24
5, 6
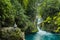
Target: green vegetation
17, 11
21, 12
24, 12
6, 13
50, 12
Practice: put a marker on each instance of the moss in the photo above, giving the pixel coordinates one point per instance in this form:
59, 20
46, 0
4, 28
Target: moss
11, 33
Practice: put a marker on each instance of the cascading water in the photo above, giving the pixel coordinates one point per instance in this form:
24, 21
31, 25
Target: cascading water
42, 35
39, 30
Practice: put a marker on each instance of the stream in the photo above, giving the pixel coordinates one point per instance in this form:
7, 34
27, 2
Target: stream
42, 35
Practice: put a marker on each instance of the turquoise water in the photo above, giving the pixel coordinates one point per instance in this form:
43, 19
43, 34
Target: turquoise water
38, 36
42, 35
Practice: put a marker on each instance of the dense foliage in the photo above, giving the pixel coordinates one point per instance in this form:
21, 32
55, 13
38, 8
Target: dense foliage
21, 12
50, 11
24, 13
6, 13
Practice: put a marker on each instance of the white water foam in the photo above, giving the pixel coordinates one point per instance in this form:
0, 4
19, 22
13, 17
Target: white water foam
39, 30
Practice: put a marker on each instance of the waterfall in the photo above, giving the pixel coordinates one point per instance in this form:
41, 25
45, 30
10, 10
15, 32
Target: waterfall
41, 35
39, 20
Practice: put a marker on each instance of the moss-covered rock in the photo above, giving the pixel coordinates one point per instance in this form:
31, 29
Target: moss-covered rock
11, 33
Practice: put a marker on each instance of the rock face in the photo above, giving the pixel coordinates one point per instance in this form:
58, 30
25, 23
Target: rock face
10, 33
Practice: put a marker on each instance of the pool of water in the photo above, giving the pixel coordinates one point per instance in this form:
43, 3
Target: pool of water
38, 36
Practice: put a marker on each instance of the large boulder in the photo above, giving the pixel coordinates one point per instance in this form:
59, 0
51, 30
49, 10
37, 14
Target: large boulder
11, 33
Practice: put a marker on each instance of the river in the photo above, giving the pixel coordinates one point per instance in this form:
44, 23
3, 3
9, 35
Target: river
42, 35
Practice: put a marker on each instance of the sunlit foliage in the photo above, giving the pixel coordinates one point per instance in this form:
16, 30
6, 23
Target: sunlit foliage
50, 11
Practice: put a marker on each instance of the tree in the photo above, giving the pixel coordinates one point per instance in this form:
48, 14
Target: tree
6, 14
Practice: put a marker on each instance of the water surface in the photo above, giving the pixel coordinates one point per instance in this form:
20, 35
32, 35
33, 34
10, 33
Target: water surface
38, 36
